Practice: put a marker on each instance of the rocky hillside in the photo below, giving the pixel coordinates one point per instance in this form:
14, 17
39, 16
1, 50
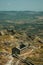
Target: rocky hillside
7, 42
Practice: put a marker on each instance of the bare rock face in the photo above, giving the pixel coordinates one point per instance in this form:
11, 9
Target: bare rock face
1, 33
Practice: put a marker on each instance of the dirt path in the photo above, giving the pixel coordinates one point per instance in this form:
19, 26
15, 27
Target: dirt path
10, 61
17, 63
26, 53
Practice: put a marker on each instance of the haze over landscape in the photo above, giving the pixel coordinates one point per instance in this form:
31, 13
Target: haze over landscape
21, 32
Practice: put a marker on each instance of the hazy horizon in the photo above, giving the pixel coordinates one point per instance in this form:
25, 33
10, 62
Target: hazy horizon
21, 5
20, 11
